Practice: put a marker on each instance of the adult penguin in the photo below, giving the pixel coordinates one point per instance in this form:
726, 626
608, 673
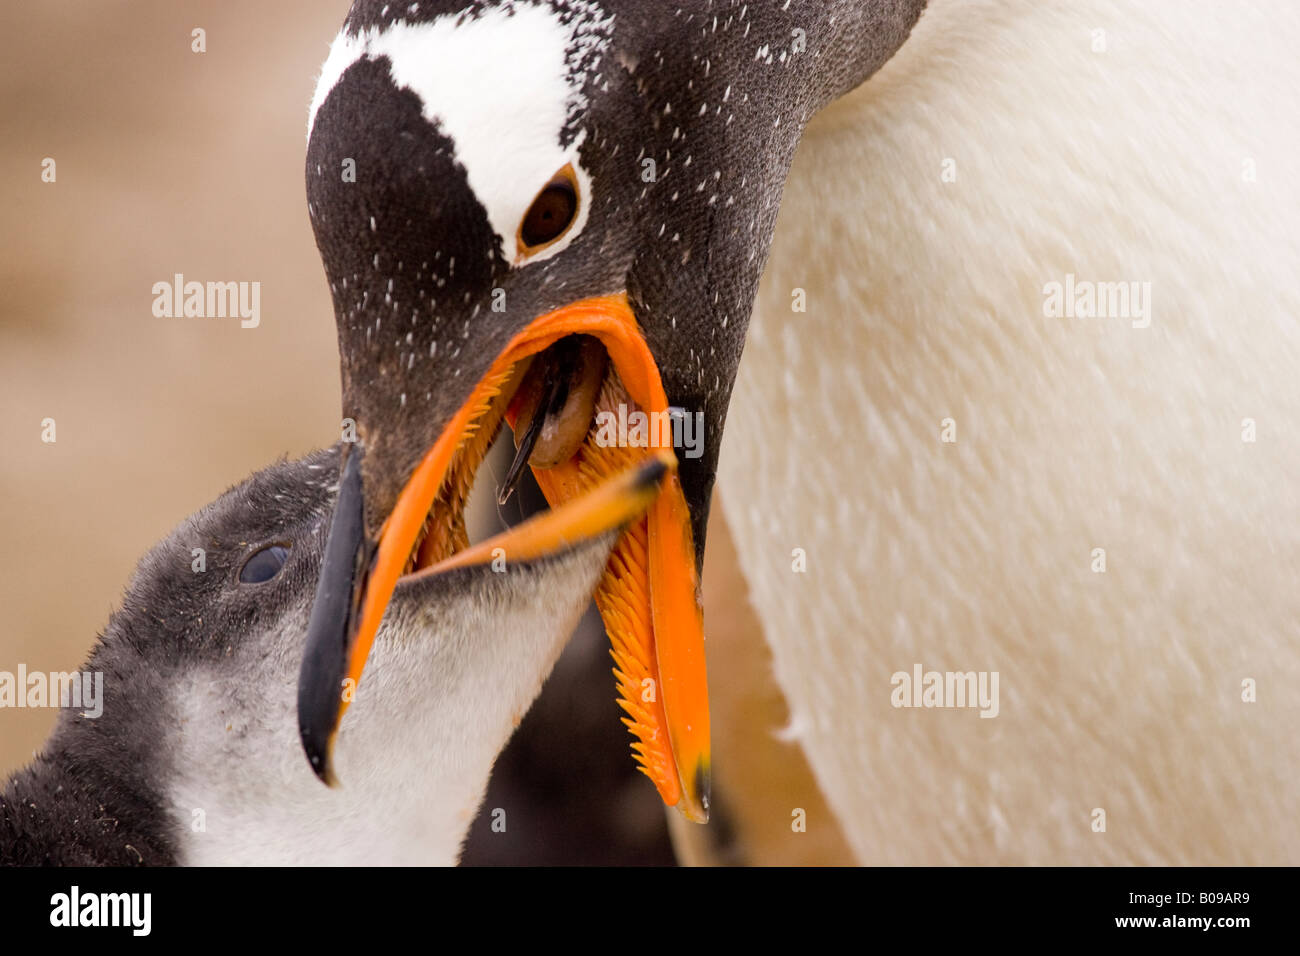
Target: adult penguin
547, 212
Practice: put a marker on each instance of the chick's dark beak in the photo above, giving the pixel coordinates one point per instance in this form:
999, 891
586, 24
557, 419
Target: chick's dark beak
333, 614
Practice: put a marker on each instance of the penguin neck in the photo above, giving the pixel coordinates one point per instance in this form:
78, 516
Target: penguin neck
445, 685
92, 795
242, 793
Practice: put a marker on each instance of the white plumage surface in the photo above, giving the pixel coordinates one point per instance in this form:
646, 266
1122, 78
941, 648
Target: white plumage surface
1119, 690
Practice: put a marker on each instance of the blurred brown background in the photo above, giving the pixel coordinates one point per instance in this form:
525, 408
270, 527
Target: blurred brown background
167, 161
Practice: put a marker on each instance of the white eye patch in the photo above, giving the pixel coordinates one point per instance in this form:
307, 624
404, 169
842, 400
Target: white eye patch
500, 87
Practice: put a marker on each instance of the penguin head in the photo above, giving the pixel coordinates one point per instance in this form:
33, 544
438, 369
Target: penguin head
202, 665
488, 179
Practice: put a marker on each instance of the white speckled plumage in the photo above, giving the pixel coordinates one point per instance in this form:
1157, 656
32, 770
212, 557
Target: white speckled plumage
1120, 690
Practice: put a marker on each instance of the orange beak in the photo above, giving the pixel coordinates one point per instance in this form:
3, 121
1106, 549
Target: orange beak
648, 594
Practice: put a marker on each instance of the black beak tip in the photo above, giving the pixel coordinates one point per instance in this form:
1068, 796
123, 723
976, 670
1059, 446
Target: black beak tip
651, 473
329, 628
318, 755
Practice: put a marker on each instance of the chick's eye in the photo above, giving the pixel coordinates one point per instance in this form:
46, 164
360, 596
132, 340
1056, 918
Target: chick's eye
264, 564
551, 213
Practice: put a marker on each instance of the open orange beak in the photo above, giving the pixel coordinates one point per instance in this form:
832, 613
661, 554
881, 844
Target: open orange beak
648, 594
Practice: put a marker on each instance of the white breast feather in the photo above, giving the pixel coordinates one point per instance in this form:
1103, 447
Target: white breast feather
1119, 690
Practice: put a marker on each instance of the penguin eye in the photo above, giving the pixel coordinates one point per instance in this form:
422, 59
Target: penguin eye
551, 213
264, 564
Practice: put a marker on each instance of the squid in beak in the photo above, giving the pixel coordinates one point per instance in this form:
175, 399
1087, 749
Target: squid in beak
551, 379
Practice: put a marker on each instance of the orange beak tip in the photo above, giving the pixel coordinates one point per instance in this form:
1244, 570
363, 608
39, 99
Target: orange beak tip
330, 777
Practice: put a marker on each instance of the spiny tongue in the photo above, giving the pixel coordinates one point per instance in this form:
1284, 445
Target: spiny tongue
555, 405
623, 594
